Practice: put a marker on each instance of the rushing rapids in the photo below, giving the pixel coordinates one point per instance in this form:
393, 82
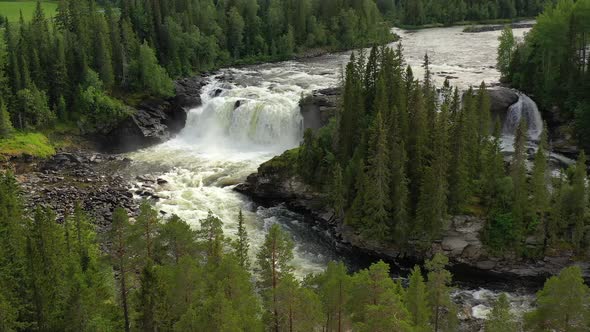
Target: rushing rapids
250, 115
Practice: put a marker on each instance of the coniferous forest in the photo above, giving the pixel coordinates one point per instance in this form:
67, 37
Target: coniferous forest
104, 57
160, 275
398, 160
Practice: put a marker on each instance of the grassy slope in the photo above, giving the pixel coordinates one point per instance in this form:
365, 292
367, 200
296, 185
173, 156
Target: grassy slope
35, 144
12, 9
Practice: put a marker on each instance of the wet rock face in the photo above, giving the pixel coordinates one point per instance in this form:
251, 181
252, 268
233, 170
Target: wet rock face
318, 108
501, 99
88, 178
155, 120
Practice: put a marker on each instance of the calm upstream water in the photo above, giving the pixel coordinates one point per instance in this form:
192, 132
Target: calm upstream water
251, 114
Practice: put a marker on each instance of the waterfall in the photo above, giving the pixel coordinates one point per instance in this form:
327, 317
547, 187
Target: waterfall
527, 108
245, 116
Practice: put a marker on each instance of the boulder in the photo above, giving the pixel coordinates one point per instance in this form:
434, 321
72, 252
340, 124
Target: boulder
501, 99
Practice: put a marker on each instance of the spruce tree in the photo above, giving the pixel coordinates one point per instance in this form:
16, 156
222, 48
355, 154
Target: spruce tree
337, 193
376, 194
15, 300
416, 301
241, 245
399, 194
118, 236
5, 123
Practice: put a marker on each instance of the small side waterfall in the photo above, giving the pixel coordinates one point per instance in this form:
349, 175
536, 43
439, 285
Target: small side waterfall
525, 108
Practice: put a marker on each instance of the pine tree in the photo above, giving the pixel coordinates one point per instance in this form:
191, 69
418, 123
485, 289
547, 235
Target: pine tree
334, 290
416, 301
241, 245
5, 123
118, 236
211, 234
145, 232
274, 260
176, 240
298, 308
562, 304
443, 310
146, 299
377, 305
500, 318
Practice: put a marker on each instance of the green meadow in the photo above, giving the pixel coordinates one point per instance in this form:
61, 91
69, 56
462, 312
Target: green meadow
12, 9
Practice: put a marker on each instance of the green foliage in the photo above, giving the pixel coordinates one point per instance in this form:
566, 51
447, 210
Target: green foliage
33, 110
102, 111
506, 50
443, 310
34, 144
501, 318
12, 10
416, 301
148, 75
5, 122
562, 304
426, 13
551, 63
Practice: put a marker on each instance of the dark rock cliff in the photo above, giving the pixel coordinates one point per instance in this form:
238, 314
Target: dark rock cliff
155, 120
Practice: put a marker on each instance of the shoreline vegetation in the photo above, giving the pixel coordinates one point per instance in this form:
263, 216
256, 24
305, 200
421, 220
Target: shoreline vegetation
490, 22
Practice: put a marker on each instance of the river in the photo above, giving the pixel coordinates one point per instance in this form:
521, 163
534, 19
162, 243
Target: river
251, 114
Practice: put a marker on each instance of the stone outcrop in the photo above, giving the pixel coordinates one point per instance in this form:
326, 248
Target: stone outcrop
318, 108
155, 120
501, 99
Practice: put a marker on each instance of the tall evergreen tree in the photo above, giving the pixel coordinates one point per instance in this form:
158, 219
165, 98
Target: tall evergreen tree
416, 300
274, 260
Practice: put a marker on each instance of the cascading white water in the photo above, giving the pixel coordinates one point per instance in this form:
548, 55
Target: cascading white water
524, 109
243, 117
